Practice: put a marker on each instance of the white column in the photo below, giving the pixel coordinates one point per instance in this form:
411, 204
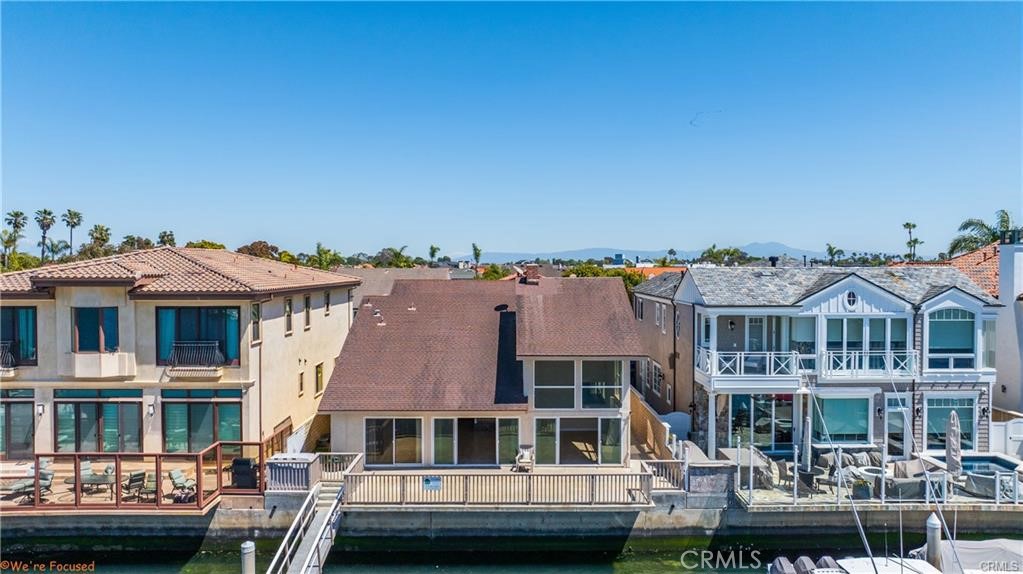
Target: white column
711, 424
713, 332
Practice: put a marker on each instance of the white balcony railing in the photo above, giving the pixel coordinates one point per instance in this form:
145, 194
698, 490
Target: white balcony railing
852, 364
743, 363
870, 363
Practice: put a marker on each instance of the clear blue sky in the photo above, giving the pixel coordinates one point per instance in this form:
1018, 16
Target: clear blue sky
518, 126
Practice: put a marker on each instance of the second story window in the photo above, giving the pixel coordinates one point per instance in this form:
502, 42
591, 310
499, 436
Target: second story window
602, 384
639, 308
95, 330
554, 384
257, 322
197, 336
319, 378
17, 336
307, 310
950, 339
326, 302
289, 309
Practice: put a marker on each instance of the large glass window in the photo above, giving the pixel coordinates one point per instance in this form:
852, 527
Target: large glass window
17, 430
17, 336
950, 339
193, 426
95, 329
844, 420
764, 419
98, 427
507, 440
477, 441
938, 411
197, 335
602, 384
394, 441
443, 441
554, 384
611, 441
546, 441
803, 340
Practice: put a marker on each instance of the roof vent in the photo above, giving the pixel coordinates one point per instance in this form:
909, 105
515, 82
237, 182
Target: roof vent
376, 312
412, 307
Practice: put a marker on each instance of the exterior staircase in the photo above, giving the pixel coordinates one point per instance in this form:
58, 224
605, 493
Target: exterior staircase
328, 492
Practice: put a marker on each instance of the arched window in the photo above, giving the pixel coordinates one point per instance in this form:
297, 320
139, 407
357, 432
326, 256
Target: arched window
950, 339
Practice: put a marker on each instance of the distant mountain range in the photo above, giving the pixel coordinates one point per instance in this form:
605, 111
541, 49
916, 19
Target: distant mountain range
755, 249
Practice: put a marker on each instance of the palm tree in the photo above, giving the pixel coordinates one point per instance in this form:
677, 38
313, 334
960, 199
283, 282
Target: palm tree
477, 253
9, 242
56, 247
166, 238
71, 219
45, 219
99, 234
834, 253
434, 250
17, 220
975, 233
671, 254
909, 227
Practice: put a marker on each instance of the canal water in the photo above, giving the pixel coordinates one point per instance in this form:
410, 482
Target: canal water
696, 555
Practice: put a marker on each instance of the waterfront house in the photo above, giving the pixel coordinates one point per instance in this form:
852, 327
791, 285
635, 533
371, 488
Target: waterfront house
822, 357
664, 381
165, 350
467, 373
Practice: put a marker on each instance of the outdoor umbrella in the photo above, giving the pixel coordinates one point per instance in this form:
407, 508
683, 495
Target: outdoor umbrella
953, 446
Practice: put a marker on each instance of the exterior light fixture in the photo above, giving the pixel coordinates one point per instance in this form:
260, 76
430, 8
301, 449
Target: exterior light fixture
731, 325
151, 408
880, 412
984, 411
40, 409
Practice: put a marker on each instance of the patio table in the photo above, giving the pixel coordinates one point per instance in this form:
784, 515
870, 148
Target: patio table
106, 480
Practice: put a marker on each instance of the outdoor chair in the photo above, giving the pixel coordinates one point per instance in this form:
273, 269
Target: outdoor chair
785, 477
180, 481
524, 459
148, 491
26, 487
133, 486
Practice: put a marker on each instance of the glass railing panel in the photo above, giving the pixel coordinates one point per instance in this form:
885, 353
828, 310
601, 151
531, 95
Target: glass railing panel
138, 480
178, 480
97, 475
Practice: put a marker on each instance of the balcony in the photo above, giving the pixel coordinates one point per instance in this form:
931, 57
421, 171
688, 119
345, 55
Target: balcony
200, 360
8, 362
748, 363
866, 364
115, 365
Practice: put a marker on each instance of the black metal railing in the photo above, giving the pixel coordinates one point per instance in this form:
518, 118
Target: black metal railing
8, 360
196, 354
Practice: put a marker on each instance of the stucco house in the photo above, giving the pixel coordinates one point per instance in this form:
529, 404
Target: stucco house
464, 373
165, 350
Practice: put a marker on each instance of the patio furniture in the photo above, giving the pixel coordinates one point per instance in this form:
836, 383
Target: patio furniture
785, 476
808, 481
133, 486
149, 490
26, 488
524, 459
92, 483
180, 481
243, 473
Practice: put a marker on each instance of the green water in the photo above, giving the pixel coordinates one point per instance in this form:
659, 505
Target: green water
541, 555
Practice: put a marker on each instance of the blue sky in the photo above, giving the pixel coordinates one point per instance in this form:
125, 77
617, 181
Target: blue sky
525, 127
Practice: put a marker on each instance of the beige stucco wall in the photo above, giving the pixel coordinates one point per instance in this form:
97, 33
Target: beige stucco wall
280, 357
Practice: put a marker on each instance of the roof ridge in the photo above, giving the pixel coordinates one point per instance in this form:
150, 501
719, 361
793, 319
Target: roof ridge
179, 251
114, 258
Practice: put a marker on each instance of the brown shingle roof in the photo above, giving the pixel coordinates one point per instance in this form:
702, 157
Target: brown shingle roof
454, 345
177, 271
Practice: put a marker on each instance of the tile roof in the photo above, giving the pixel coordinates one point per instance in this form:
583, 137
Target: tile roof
378, 281
455, 345
746, 286
980, 265
177, 271
663, 285
648, 272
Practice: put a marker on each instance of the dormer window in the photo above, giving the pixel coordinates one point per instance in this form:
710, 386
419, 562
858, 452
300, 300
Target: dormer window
951, 339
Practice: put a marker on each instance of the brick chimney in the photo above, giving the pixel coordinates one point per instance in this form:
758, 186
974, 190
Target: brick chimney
532, 274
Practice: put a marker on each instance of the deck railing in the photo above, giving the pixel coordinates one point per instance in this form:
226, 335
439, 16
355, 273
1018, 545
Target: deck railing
667, 474
303, 471
293, 538
743, 363
156, 481
852, 364
469, 489
7, 359
867, 363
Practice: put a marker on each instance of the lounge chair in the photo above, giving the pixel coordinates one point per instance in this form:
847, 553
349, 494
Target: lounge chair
180, 481
149, 490
525, 459
26, 487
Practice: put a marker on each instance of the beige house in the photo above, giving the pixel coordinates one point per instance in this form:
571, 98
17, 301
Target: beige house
165, 350
465, 373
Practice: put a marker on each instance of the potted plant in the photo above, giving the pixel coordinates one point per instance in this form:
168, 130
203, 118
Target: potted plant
861, 489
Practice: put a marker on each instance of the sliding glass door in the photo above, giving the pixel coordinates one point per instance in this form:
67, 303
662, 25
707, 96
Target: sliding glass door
393, 441
480, 441
98, 427
578, 440
17, 430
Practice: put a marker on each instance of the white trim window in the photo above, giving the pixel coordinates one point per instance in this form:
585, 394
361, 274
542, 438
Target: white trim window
656, 377
845, 420
554, 384
938, 407
602, 384
951, 339
678, 324
638, 303
390, 441
658, 314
